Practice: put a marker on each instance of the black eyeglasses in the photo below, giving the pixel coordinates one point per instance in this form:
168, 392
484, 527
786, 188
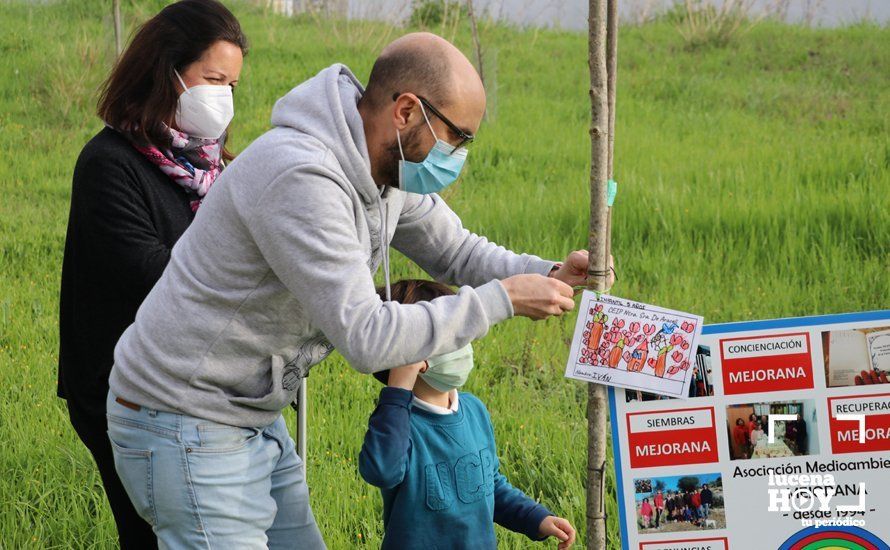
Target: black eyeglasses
465, 138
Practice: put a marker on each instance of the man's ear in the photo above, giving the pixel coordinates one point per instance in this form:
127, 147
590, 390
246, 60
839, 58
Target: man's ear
404, 110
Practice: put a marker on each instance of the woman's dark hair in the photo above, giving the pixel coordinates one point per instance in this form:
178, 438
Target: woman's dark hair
140, 95
411, 291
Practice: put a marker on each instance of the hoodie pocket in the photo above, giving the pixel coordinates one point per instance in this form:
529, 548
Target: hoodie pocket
265, 391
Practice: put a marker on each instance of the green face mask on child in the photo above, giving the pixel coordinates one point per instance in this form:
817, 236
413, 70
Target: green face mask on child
449, 371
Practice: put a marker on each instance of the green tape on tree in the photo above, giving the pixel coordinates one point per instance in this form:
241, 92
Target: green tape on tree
611, 191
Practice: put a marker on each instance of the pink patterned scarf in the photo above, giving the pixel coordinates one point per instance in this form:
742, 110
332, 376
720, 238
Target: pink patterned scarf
192, 163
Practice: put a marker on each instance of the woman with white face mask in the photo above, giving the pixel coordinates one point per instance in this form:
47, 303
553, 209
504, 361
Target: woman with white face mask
137, 184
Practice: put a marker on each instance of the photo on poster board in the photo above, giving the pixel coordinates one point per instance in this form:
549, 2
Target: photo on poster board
748, 424
856, 357
628, 344
687, 502
702, 384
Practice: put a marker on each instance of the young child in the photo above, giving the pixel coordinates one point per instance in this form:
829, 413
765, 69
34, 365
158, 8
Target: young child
431, 451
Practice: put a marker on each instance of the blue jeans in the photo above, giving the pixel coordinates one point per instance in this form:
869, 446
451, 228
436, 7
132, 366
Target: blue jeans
206, 485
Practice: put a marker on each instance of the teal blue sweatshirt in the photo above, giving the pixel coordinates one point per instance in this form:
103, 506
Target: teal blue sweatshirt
439, 476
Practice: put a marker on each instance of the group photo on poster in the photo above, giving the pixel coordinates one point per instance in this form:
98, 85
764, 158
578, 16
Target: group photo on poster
690, 502
748, 427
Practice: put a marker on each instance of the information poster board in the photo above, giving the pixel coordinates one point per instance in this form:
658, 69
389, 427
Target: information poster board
782, 442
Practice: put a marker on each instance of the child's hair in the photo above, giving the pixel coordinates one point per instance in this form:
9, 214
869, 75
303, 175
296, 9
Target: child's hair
411, 291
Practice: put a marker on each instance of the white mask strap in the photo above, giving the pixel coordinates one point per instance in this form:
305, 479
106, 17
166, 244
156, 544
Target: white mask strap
422, 110
399, 141
184, 87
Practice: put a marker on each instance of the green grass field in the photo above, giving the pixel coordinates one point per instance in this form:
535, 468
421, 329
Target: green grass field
755, 183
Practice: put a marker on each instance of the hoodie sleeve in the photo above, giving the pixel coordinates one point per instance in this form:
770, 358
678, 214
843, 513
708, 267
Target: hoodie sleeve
304, 224
431, 234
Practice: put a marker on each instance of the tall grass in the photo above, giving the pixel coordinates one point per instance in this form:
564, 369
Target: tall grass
754, 183
702, 23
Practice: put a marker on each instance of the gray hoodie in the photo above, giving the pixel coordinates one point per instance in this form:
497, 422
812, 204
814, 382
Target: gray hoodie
277, 270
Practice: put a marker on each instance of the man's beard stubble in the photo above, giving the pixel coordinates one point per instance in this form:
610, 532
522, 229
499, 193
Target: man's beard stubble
390, 170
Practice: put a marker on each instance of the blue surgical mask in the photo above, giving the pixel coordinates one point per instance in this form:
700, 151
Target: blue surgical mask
437, 171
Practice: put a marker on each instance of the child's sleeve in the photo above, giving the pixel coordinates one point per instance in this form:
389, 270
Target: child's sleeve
383, 460
513, 509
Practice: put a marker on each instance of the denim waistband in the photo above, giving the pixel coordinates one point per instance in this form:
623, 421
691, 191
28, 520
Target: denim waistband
171, 424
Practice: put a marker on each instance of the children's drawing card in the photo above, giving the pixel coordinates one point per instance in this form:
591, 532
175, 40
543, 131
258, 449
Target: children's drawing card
628, 344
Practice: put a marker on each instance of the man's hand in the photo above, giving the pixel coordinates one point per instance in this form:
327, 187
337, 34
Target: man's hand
573, 271
560, 528
405, 377
538, 297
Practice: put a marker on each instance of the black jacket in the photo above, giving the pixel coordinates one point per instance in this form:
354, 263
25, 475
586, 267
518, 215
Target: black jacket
125, 217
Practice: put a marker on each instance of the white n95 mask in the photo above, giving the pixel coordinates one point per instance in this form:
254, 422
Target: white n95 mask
204, 111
